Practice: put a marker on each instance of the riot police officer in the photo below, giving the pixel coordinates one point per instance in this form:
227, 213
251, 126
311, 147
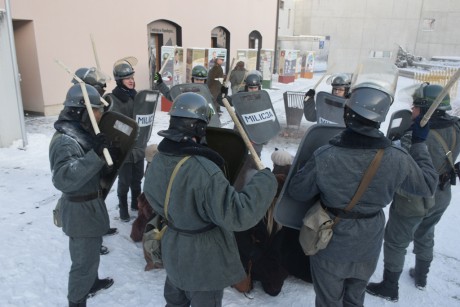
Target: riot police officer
203, 209
340, 87
414, 218
77, 164
131, 172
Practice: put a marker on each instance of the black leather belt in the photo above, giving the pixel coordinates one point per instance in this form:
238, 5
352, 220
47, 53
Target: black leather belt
191, 232
348, 215
82, 198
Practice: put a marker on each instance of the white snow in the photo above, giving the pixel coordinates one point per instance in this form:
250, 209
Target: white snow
34, 257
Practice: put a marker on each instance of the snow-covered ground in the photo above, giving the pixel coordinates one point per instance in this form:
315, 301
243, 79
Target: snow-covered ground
34, 257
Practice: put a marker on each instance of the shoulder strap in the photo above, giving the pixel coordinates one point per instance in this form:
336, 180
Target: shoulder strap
168, 191
444, 145
370, 172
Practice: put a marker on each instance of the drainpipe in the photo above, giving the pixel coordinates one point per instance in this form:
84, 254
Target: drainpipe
275, 62
15, 72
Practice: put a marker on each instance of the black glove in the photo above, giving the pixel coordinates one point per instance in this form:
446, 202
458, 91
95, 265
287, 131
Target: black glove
311, 93
157, 78
224, 91
100, 142
419, 133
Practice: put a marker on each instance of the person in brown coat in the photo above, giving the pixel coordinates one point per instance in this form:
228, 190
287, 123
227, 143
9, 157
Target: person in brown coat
215, 79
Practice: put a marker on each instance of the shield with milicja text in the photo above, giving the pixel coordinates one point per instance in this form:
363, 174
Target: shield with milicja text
145, 105
257, 116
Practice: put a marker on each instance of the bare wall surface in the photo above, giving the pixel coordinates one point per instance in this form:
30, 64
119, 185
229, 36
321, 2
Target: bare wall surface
62, 30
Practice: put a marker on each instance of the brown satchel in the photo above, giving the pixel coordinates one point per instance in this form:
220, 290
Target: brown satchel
316, 231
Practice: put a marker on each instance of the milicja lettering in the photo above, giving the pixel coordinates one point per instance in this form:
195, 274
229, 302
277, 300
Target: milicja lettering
259, 117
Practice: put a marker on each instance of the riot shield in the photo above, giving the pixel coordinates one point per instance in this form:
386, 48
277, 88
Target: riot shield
329, 109
288, 211
122, 132
230, 146
198, 88
257, 116
145, 105
399, 123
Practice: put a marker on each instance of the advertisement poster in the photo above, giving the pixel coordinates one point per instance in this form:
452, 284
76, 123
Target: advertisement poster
249, 57
212, 55
173, 70
290, 62
266, 63
195, 56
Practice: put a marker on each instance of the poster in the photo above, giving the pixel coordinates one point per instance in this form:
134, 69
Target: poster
266, 63
287, 62
249, 57
195, 56
172, 73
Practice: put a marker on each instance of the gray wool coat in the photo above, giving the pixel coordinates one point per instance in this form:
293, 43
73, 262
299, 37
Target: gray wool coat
335, 173
200, 196
76, 173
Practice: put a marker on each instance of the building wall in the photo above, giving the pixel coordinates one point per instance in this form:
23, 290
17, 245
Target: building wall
357, 27
62, 30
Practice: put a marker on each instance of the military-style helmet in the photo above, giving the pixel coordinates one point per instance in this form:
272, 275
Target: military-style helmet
92, 76
122, 69
341, 80
252, 80
191, 105
425, 95
370, 103
74, 97
199, 72
372, 89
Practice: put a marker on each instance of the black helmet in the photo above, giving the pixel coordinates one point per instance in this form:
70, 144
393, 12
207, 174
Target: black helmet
370, 103
252, 80
340, 80
74, 97
191, 105
93, 77
122, 69
425, 95
199, 72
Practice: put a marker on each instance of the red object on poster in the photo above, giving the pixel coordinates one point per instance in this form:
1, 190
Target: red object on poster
165, 104
286, 79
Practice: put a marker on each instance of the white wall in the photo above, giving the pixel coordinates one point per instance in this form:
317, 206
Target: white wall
10, 121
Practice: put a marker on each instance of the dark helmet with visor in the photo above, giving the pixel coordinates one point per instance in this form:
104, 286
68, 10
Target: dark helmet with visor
426, 94
123, 68
75, 98
199, 72
252, 80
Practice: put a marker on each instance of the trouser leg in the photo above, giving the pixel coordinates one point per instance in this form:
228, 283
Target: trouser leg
124, 179
399, 232
137, 175
84, 254
424, 235
340, 284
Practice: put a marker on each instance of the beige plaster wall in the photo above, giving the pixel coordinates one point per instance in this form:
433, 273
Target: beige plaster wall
62, 31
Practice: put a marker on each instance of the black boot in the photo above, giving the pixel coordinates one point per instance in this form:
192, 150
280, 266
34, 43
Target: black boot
420, 272
388, 288
81, 304
100, 284
124, 214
